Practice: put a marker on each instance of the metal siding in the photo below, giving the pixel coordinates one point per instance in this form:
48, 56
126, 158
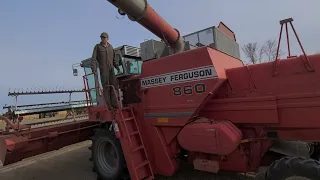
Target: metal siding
225, 44
132, 51
151, 49
221, 41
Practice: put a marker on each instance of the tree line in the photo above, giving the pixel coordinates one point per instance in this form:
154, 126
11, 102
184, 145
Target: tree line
265, 52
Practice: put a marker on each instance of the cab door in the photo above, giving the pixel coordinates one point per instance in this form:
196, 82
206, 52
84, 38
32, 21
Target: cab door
95, 93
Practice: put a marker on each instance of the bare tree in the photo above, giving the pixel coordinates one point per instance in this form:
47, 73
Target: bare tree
265, 53
269, 48
261, 54
251, 50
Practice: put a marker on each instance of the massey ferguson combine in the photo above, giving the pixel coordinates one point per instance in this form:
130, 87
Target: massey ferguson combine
191, 98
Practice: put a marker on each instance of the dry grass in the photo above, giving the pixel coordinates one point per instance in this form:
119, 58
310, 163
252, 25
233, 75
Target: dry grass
37, 120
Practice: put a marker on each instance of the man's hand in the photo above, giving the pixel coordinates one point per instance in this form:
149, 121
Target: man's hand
118, 69
93, 63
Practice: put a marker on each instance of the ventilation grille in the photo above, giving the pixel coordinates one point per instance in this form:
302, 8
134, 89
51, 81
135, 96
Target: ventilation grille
132, 51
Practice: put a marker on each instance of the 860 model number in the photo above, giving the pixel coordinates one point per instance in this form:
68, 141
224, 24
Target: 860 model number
189, 89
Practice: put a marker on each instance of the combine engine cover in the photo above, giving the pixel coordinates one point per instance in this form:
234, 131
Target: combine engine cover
221, 137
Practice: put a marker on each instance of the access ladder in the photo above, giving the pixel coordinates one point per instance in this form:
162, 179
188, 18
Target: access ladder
133, 147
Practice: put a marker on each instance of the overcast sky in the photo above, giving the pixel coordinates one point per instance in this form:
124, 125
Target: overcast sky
40, 40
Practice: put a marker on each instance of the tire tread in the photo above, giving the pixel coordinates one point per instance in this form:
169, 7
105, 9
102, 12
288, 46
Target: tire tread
294, 166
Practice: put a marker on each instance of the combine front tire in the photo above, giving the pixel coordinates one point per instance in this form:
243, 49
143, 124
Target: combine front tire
107, 155
294, 168
261, 175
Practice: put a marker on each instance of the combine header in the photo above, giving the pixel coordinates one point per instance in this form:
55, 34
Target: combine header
191, 96
20, 140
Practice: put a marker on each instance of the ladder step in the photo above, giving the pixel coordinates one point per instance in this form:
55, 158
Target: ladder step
129, 119
137, 149
142, 164
134, 133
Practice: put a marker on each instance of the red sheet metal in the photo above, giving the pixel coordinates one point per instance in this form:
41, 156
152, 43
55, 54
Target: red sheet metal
144, 14
19, 145
223, 136
158, 26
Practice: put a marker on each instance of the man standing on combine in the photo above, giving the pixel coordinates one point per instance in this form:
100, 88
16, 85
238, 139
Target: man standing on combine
104, 54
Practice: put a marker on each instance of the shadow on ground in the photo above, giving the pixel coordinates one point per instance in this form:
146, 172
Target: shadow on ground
73, 163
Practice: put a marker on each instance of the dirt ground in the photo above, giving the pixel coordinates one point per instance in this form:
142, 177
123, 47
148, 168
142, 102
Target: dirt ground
72, 162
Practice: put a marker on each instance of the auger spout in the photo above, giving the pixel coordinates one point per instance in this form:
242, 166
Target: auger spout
143, 13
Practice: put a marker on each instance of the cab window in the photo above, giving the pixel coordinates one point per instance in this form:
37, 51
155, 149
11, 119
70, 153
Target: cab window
91, 85
133, 65
119, 62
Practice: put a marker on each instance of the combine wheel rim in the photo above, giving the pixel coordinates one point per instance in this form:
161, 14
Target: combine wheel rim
107, 155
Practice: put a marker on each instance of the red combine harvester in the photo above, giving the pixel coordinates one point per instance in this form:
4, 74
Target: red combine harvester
192, 97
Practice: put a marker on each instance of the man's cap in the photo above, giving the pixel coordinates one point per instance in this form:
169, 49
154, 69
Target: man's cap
104, 34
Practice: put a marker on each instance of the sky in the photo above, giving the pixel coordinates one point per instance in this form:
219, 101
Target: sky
40, 40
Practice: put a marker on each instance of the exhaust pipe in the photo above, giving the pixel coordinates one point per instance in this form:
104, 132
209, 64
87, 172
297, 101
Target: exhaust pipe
144, 14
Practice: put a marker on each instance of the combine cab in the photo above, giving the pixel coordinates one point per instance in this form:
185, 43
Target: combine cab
129, 60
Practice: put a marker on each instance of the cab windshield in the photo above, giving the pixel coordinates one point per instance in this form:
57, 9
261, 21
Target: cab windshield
133, 65
130, 65
127, 66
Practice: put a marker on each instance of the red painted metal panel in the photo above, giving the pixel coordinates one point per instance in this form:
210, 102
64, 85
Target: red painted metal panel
165, 164
17, 146
216, 137
157, 25
202, 57
243, 110
255, 96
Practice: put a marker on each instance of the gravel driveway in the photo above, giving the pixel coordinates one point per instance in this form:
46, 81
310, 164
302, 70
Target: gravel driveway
72, 163
186, 172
